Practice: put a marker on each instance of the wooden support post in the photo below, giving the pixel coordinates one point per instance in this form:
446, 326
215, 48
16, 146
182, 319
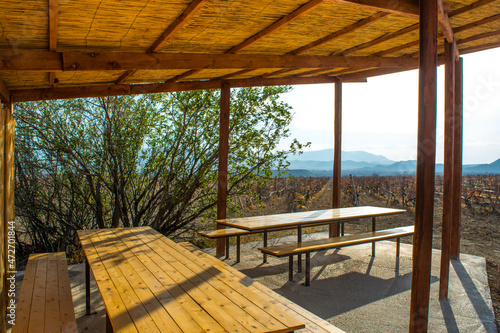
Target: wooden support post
223, 160
337, 146
3, 227
426, 160
449, 103
457, 161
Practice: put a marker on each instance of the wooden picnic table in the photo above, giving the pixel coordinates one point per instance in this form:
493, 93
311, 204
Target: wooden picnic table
151, 284
299, 220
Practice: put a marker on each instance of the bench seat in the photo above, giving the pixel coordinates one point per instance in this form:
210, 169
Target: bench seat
314, 324
335, 242
226, 233
45, 303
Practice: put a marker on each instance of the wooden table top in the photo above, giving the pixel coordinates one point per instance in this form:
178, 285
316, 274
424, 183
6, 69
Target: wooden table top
150, 284
254, 223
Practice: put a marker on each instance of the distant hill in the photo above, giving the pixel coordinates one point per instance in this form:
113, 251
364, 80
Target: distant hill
320, 163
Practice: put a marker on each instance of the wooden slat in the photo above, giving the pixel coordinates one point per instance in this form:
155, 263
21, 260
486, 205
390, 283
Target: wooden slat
223, 233
66, 309
51, 316
400, 7
26, 296
238, 291
277, 25
328, 243
177, 24
426, 157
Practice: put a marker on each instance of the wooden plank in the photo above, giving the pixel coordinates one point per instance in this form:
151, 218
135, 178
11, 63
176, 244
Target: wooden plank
66, 308
135, 285
52, 320
223, 233
53, 13
120, 61
313, 322
304, 9
426, 157
37, 313
360, 24
256, 305
115, 306
25, 297
343, 241
449, 100
178, 301
400, 7
177, 24
457, 161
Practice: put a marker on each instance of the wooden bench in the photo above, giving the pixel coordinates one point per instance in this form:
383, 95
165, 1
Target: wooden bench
313, 323
45, 303
226, 233
335, 242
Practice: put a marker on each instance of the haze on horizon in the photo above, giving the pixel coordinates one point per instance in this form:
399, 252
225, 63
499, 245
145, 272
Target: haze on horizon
380, 116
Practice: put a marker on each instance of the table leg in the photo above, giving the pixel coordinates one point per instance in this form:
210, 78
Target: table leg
87, 287
238, 247
227, 247
290, 268
299, 240
374, 228
265, 245
308, 269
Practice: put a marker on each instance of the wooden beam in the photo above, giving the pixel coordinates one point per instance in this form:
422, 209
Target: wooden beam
426, 159
225, 104
119, 61
125, 76
341, 32
27, 95
449, 103
478, 37
53, 13
337, 148
476, 24
470, 7
177, 24
400, 7
444, 22
304, 9
478, 48
4, 92
457, 161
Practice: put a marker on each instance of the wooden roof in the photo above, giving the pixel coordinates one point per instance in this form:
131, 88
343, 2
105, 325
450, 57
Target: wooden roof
80, 48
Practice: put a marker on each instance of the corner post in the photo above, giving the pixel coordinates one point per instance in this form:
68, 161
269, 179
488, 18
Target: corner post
225, 103
337, 146
426, 160
449, 104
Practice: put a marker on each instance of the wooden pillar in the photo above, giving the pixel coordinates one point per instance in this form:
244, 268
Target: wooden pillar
3, 234
457, 161
426, 159
337, 148
225, 102
449, 104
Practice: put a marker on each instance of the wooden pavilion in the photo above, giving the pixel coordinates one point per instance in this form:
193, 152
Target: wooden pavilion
56, 49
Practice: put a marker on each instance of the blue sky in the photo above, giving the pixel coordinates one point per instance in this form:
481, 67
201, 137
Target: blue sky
380, 116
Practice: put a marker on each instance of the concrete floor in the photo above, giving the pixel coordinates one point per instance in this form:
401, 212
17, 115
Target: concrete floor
350, 289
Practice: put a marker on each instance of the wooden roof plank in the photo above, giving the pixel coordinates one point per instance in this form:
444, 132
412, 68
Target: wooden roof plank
177, 24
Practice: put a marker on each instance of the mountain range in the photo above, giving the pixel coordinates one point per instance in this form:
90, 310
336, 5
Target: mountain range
320, 163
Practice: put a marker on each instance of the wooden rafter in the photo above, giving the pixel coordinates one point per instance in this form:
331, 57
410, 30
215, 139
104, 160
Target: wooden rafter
53, 15
401, 7
476, 24
4, 92
304, 9
472, 6
120, 61
177, 24
478, 37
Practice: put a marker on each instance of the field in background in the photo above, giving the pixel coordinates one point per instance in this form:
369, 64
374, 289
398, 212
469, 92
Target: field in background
480, 228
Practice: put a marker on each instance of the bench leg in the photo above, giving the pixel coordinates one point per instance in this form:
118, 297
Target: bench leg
308, 269
299, 240
227, 247
264, 258
238, 247
87, 288
374, 228
290, 268
342, 229
398, 245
